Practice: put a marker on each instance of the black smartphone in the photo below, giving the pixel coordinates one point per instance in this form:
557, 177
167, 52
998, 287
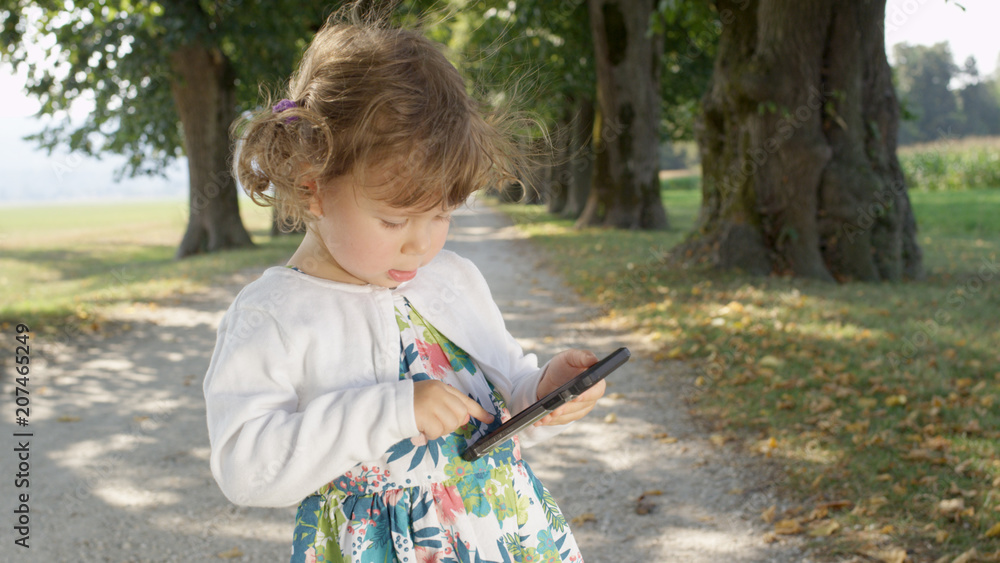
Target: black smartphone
547, 404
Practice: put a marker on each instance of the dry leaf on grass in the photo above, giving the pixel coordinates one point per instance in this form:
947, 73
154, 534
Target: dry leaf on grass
951, 506
967, 557
889, 555
823, 528
787, 527
993, 532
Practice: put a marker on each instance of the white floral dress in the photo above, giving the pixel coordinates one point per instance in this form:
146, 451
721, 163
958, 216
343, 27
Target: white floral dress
421, 502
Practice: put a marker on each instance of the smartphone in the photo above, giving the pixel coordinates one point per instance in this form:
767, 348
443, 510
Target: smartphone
547, 404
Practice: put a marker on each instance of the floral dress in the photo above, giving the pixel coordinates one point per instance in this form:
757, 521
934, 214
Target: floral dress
421, 502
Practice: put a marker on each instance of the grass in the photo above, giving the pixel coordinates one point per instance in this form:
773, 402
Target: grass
952, 164
65, 265
881, 400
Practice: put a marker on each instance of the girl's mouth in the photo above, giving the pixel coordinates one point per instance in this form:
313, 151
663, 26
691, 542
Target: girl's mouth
401, 276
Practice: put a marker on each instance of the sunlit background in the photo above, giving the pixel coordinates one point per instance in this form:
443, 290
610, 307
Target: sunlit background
33, 176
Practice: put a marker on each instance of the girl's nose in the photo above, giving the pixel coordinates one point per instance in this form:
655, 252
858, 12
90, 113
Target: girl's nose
418, 242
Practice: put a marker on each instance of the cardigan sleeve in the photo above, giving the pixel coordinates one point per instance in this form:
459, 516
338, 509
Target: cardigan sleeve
265, 450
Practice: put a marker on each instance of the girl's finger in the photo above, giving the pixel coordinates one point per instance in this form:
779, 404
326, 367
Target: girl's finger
473, 408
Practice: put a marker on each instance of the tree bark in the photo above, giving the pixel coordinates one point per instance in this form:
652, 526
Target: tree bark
559, 177
625, 189
581, 159
798, 143
204, 94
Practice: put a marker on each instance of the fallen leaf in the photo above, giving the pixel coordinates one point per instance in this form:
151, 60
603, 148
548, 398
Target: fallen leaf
770, 362
891, 555
68, 418
583, 518
823, 528
967, 557
952, 506
611, 418
768, 514
895, 400
644, 507
877, 502
867, 403
717, 439
231, 554
787, 527
993, 532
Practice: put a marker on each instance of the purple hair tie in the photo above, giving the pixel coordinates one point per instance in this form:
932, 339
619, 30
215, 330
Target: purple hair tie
282, 106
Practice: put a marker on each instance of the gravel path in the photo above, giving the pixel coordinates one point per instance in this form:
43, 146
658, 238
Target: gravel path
119, 457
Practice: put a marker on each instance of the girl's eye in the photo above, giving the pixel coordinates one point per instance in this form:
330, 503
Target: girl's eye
392, 225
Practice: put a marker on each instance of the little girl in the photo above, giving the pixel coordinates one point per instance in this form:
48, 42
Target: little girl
350, 381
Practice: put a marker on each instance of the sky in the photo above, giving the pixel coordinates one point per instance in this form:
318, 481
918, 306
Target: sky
972, 31
32, 175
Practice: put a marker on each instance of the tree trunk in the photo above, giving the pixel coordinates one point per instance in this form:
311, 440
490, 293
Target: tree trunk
559, 177
204, 95
581, 159
625, 190
798, 143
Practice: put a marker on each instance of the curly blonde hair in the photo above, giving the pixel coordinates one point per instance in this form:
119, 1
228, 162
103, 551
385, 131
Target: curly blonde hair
369, 94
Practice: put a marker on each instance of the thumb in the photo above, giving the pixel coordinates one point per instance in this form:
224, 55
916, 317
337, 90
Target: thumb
581, 358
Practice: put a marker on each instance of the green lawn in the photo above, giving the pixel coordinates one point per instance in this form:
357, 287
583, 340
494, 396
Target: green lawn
882, 400
66, 263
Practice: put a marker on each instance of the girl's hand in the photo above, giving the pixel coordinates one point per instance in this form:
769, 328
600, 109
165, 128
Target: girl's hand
441, 409
565, 366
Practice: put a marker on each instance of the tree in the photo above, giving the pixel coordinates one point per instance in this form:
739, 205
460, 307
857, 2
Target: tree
980, 105
626, 188
923, 75
151, 65
535, 57
798, 138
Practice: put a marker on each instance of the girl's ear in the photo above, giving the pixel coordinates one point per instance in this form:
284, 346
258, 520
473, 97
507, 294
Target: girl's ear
315, 202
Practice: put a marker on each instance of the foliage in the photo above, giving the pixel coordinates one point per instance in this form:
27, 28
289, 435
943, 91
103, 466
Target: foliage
922, 76
542, 54
879, 400
952, 164
690, 33
933, 109
115, 54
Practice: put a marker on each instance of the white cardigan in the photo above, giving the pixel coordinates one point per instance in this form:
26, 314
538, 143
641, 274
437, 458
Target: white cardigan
304, 380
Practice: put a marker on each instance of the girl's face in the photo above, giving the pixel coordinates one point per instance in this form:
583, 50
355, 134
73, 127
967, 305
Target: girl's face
370, 242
